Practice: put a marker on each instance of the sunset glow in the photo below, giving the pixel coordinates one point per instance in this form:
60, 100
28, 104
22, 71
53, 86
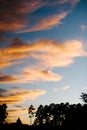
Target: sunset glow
43, 53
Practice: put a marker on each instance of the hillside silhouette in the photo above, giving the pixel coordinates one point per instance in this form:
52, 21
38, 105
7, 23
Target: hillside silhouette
63, 116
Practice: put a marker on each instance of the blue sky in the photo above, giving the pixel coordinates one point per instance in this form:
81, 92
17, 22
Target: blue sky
43, 53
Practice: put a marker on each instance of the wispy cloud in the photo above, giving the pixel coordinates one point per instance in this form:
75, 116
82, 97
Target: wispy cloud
13, 115
4, 63
10, 55
46, 55
7, 79
83, 27
55, 54
72, 2
39, 75
65, 88
47, 52
13, 13
19, 95
57, 2
61, 88
29, 75
47, 23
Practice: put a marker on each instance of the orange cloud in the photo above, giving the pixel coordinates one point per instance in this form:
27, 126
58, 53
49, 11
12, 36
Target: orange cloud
30, 6
12, 26
7, 78
13, 13
30, 75
48, 53
5, 63
47, 23
19, 95
9, 59
54, 54
10, 55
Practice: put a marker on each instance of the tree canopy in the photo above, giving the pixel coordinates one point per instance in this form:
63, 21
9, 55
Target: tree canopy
3, 112
84, 97
61, 116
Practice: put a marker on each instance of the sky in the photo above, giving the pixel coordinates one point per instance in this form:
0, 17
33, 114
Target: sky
43, 54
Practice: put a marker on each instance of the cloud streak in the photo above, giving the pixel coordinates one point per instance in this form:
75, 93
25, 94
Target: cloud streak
61, 88
49, 52
39, 75
7, 78
83, 27
18, 95
47, 23
15, 15
73, 3
46, 54
55, 54
30, 75
15, 113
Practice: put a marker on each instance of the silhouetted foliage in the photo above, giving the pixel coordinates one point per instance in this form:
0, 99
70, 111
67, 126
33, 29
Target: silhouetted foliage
54, 116
62, 115
84, 97
19, 121
31, 112
39, 116
3, 113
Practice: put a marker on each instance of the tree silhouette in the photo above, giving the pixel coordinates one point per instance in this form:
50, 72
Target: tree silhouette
84, 97
39, 116
3, 113
56, 116
19, 121
31, 112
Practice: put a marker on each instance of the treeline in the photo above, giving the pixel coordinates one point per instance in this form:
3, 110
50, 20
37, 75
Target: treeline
63, 116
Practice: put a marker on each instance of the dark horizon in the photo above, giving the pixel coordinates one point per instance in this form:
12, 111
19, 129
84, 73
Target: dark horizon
57, 116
